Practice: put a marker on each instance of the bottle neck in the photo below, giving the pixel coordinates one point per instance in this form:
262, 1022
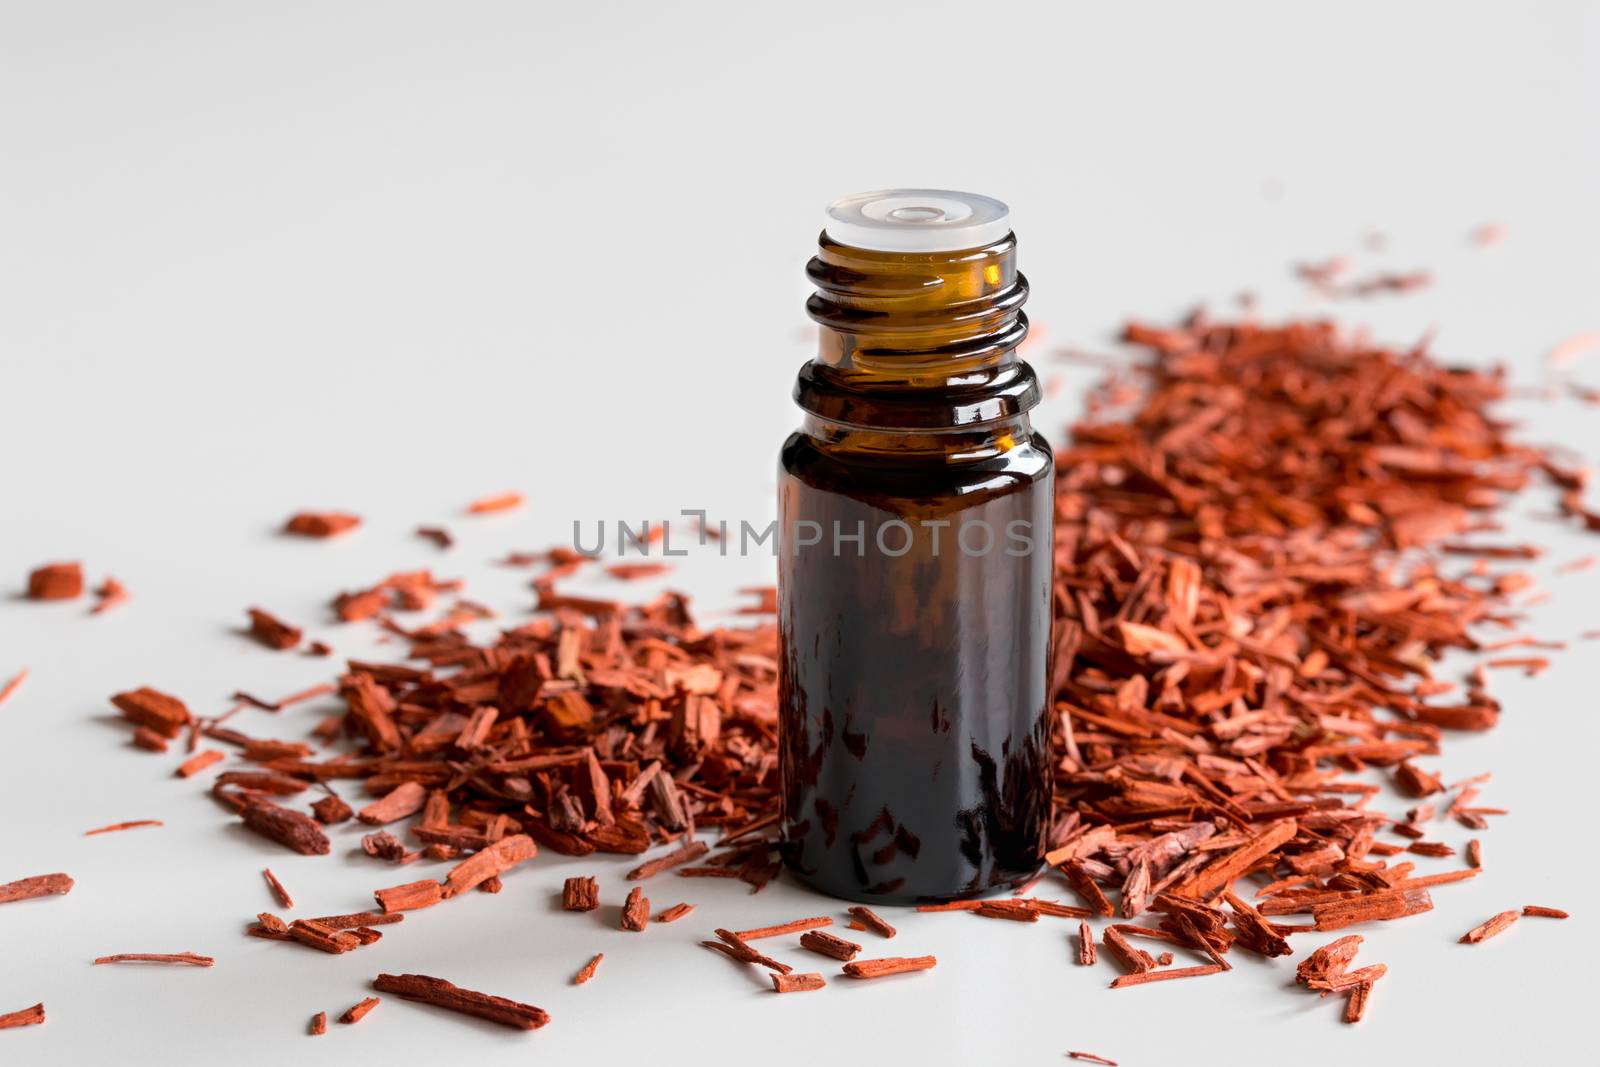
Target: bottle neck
916, 346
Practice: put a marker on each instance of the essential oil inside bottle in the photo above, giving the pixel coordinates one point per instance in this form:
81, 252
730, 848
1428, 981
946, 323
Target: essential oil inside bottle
915, 526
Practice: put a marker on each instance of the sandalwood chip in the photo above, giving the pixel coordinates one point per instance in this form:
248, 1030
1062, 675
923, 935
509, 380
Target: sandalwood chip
356, 1012
56, 581
1086, 946
796, 983
734, 947
13, 685
1142, 977
119, 826
158, 712
321, 523
440, 993
324, 938
580, 894
277, 888
674, 913
110, 593
319, 1024
1090, 1057
272, 631
437, 534
793, 927
587, 971
409, 897
1490, 927
1356, 1007
199, 762
869, 919
497, 859
1544, 912
690, 850
330, 810
402, 802
828, 945
486, 505
40, 885
25, 1017
148, 739
889, 965
289, 828
190, 958
358, 919
636, 911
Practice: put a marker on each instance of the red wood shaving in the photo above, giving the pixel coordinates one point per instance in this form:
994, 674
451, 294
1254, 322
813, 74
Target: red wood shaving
321, 523
1544, 912
889, 965
1086, 946
56, 581
330, 810
324, 938
1490, 927
408, 897
496, 859
40, 885
356, 1012
25, 1017
1090, 1057
278, 891
676, 912
399, 803
190, 958
588, 970
499, 502
116, 826
158, 712
797, 983
289, 828
272, 631
690, 850
357, 919
580, 894
437, 534
1085, 887
319, 1024
442, 994
109, 594
733, 945
291, 699
1356, 1006
636, 912
794, 926
1141, 977
199, 762
829, 945
13, 685
867, 918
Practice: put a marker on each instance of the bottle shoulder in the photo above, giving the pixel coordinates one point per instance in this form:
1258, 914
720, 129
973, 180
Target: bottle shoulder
1026, 461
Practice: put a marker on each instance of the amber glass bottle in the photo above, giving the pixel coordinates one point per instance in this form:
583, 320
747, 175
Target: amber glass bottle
915, 547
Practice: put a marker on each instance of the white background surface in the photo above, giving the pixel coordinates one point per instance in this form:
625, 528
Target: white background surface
389, 257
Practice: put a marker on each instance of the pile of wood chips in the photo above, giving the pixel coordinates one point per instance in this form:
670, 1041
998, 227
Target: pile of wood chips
1266, 541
